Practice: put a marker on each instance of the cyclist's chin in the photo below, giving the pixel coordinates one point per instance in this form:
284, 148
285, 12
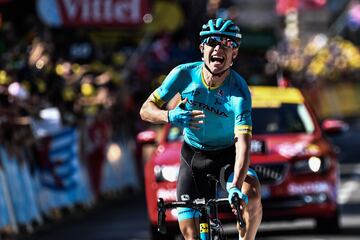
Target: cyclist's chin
217, 67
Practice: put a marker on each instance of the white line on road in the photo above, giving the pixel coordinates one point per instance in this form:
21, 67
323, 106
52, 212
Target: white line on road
349, 188
349, 192
350, 168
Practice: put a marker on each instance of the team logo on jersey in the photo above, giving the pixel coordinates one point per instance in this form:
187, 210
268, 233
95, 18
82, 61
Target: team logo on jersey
217, 102
243, 116
207, 107
220, 97
220, 92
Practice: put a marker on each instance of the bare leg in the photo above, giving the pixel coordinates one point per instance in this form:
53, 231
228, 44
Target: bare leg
189, 230
252, 213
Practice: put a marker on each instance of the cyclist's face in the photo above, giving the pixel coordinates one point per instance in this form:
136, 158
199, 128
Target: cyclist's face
218, 54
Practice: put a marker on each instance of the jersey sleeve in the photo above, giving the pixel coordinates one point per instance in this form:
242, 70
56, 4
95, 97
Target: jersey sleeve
171, 85
242, 105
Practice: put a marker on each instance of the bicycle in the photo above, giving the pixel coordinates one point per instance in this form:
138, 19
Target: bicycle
208, 209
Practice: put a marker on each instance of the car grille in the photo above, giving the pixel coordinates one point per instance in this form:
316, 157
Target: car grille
271, 173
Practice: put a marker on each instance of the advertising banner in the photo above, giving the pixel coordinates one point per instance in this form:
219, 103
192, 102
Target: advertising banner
75, 13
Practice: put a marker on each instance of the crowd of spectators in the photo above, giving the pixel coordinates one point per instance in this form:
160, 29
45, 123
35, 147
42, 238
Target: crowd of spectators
35, 73
96, 88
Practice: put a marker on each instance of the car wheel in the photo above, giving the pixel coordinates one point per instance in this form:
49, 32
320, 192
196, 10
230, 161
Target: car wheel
329, 224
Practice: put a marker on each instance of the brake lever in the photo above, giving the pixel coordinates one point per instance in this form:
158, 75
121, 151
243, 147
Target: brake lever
161, 216
235, 200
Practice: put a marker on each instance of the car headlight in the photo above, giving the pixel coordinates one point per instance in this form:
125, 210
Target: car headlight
312, 164
166, 173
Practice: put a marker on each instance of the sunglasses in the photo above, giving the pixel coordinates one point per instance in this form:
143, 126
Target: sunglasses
222, 41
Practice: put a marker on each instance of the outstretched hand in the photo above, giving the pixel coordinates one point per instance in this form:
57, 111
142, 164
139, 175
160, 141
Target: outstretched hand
181, 117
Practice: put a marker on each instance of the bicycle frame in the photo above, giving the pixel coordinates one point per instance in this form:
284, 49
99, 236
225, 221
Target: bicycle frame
207, 231
204, 206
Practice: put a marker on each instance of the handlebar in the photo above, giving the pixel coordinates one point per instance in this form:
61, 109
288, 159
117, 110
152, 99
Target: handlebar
197, 204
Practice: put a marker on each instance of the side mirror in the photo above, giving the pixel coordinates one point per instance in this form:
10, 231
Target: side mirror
146, 137
334, 126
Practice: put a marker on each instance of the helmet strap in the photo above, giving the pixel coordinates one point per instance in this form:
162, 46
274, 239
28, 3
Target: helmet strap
216, 74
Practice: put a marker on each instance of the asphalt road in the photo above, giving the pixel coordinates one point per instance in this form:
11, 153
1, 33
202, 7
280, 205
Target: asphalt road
126, 218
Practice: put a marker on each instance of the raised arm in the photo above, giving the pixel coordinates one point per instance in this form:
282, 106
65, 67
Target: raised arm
151, 112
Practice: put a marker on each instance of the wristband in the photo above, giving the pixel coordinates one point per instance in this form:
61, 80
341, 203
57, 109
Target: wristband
241, 195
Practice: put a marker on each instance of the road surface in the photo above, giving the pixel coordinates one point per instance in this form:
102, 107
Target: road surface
126, 219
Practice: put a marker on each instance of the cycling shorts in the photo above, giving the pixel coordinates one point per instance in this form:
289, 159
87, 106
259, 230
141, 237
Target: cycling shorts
192, 181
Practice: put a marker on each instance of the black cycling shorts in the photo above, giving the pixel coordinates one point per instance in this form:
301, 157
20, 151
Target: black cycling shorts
195, 165
192, 180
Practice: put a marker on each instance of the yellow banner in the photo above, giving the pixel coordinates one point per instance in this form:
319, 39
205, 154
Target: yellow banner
274, 96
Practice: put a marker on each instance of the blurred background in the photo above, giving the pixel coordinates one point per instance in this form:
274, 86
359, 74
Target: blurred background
74, 74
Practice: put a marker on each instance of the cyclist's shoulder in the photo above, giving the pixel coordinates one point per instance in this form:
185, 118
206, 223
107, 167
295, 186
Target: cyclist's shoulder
239, 84
185, 71
237, 79
189, 67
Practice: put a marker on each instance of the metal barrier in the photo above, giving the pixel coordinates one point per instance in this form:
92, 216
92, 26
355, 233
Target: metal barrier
56, 179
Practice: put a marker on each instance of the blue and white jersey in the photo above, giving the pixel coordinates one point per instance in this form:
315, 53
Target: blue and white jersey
227, 108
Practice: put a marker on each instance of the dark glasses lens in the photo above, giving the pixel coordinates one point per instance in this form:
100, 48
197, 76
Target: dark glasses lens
223, 42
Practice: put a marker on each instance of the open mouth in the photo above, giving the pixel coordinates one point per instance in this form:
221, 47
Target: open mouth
216, 59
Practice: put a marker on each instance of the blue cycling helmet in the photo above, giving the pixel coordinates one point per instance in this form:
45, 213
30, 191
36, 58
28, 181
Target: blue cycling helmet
221, 27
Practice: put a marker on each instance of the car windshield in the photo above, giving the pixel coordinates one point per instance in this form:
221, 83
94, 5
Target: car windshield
287, 118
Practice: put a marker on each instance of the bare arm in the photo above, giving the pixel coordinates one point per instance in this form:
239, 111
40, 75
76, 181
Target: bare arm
150, 112
242, 159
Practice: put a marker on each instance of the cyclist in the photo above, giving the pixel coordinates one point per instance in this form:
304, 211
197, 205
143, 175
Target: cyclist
215, 113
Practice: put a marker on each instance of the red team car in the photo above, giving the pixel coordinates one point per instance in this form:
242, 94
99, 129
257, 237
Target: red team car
296, 165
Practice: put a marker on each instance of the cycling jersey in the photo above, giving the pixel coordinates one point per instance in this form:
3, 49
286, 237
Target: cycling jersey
227, 108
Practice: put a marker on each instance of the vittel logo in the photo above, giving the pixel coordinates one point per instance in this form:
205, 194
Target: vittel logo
102, 10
